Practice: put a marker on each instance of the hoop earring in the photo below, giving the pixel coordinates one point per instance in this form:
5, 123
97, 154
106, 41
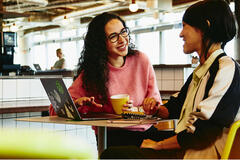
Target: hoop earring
208, 23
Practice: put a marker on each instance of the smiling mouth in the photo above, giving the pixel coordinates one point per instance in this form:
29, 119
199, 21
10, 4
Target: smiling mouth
122, 47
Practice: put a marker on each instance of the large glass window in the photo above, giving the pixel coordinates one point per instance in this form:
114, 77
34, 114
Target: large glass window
38, 37
53, 35
79, 47
162, 47
130, 23
40, 56
172, 17
51, 51
70, 54
147, 20
69, 33
229, 48
149, 44
39, 51
82, 31
173, 48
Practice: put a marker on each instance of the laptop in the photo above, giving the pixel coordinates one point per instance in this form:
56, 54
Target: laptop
37, 67
63, 103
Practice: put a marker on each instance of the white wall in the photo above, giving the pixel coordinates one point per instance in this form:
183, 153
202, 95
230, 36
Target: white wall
24, 89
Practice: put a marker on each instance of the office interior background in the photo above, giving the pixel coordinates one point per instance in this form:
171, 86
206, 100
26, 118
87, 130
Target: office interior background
156, 36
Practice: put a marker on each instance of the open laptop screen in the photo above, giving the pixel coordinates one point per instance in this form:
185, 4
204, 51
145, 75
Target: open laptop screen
63, 104
37, 67
60, 99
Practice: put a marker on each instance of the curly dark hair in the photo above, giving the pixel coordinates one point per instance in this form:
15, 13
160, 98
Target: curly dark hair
94, 57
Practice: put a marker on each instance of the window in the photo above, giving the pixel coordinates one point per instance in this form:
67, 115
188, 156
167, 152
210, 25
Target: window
69, 33
69, 50
172, 17
130, 23
173, 47
229, 48
162, 46
40, 56
38, 37
51, 54
82, 31
147, 20
149, 44
52, 35
79, 47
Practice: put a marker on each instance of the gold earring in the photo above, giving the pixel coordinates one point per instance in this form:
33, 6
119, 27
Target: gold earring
208, 23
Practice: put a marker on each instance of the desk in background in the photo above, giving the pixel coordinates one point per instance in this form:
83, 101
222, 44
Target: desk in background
22, 106
63, 72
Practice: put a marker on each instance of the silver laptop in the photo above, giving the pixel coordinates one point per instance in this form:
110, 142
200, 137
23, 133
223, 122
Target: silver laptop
37, 67
63, 104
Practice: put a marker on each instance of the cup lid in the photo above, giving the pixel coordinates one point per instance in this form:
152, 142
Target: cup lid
117, 96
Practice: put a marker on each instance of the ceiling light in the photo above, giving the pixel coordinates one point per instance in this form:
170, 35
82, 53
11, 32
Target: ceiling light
13, 27
133, 7
65, 20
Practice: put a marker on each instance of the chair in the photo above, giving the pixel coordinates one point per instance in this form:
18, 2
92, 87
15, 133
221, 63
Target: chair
166, 125
38, 144
232, 146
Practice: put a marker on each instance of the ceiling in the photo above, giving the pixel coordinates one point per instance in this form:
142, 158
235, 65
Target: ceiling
35, 15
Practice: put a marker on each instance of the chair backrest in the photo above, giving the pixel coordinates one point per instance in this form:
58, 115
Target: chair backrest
232, 146
39, 144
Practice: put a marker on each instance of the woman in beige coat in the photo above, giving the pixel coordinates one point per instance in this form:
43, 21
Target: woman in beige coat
208, 103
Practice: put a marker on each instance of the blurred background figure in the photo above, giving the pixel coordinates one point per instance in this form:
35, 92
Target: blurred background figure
59, 64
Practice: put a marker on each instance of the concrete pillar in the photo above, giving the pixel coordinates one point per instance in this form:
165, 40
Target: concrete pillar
237, 39
1, 16
237, 49
1, 25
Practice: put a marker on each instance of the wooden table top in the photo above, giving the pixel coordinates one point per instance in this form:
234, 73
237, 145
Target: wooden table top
100, 123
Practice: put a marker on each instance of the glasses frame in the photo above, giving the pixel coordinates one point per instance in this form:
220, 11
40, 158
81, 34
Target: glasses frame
118, 34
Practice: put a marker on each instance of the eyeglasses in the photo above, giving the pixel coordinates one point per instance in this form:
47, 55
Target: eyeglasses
114, 37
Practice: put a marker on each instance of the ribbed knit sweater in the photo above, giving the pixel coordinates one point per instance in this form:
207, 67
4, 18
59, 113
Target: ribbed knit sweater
136, 78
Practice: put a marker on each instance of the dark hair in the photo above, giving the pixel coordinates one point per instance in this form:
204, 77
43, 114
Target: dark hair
94, 57
215, 19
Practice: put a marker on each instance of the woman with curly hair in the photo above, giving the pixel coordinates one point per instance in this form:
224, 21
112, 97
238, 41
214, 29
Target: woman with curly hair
109, 65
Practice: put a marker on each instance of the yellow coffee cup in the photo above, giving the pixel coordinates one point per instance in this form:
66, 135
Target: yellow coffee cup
118, 102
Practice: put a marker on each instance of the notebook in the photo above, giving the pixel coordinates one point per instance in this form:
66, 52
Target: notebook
63, 104
37, 67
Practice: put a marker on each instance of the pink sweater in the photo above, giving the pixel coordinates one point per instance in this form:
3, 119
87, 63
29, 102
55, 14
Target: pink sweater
136, 78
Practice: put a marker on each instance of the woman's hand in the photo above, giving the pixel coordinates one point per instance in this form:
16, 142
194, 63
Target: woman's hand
89, 101
150, 106
148, 143
85, 103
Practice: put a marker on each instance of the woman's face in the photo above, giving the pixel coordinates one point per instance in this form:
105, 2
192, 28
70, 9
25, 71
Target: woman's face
192, 38
117, 44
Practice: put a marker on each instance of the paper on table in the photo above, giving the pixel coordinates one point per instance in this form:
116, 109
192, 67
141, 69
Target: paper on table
132, 121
